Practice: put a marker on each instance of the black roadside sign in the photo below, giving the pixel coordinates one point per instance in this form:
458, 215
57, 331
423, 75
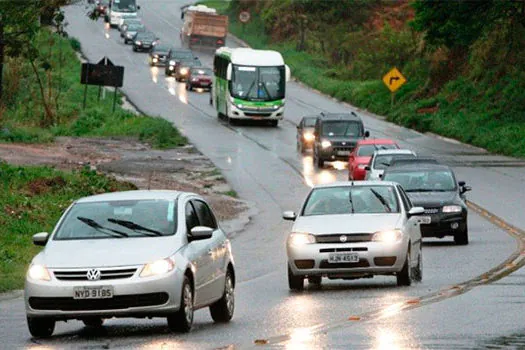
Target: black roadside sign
104, 73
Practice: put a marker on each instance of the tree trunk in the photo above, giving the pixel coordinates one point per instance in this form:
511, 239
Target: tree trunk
48, 119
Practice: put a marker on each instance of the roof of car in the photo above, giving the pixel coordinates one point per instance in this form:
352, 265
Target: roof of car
394, 151
418, 167
339, 116
131, 195
376, 142
355, 183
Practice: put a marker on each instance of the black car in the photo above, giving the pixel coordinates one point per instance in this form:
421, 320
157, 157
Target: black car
181, 68
131, 30
177, 55
159, 55
144, 41
305, 133
336, 135
434, 187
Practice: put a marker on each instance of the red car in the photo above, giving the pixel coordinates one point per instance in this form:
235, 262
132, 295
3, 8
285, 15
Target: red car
362, 153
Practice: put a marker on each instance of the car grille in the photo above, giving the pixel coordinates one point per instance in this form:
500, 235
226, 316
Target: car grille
105, 274
326, 265
339, 250
118, 302
343, 149
258, 114
432, 210
350, 238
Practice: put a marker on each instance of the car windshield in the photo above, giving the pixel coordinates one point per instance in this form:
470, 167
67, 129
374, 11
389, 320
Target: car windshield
122, 219
341, 128
190, 63
136, 27
201, 71
124, 5
352, 199
382, 161
182, 54
423, 180
161, 48
146, 36
258, 83
309, 122
368, 150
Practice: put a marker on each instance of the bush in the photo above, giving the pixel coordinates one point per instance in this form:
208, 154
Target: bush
75, 44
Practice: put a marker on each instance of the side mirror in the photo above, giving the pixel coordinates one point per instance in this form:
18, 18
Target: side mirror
288, 73
380, 176
367, 133
138, 7
465, 189
367, 168
199, 233
416, 211
195, 58
40, 238
461, 183
289, 215
229, 72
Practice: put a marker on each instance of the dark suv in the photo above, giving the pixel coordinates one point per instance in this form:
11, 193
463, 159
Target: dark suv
336, 135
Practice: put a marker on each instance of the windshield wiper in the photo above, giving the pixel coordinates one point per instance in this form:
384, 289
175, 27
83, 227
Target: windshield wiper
92, 223
382, 200
250, 89
384, 163
351, 201
267, 92
135, 227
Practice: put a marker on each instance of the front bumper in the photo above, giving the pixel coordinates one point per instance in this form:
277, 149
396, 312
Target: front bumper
444, 224
335, 153
358, 173
132, 297
201, 84
375, 258
266, 114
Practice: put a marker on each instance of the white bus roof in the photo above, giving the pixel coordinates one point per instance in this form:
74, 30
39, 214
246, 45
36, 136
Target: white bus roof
251, 57
201, 8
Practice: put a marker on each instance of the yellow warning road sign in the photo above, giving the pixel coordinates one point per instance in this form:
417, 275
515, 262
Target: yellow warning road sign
394, 79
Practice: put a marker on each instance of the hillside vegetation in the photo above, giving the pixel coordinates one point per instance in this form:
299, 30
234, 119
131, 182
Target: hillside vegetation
464, 61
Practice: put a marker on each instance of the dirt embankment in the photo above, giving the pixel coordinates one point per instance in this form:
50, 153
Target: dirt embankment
184, 169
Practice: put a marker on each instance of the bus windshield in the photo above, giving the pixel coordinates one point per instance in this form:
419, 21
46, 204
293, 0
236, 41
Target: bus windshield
258, 83
124, 5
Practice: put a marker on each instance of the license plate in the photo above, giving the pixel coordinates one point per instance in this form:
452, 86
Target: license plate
343, 153
101, 292
343, 258
425, 219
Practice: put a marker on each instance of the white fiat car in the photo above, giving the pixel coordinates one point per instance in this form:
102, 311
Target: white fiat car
381, 160
355, 230
131, 254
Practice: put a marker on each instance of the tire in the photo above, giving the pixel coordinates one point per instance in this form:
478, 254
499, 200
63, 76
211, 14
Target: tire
315, 281
222, 310
417, 273
318, 161
300, 147
134, 49
404, 277
182, 320
94, 322
461, 238
41, 327
295, 283
190, 88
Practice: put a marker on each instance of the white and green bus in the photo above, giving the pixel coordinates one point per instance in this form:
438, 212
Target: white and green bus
249, 84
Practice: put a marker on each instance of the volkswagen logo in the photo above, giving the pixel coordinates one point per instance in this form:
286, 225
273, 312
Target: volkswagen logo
93, 275
343, 238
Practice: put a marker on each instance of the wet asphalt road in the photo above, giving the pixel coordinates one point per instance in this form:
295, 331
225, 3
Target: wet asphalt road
263, 166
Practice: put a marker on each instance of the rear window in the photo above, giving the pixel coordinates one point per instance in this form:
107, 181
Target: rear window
201, 71
382, 161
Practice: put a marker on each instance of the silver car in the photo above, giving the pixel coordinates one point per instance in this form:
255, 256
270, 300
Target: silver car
131, 254
381, 160
351, 230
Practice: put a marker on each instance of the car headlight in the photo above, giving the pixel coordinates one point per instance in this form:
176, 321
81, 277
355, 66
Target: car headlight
308, 136
155, 59
154, 43
194, 79
158, 267
183, 71
38, 272
171, 68
300, 238
326, 144
452, 209
138, 42
172, 63
129, 35
390, 236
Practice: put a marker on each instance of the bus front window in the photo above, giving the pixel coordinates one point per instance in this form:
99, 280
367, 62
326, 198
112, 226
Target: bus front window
258, 83
124, 5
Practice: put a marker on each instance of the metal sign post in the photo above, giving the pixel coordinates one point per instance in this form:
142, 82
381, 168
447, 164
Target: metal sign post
104, 73
244, 17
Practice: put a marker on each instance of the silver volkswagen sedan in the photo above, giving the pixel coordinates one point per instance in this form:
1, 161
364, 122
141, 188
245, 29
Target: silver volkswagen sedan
351, 230
131, 254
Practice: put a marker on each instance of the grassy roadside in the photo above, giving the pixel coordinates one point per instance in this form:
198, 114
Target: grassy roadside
33, 198
23, 117
471, 110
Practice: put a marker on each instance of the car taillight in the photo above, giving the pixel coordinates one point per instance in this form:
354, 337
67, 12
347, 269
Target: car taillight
194, 40
220, 41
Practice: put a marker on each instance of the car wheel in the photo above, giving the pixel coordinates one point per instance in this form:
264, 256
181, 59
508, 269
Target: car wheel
418, 270
461, 237
315, 281
318, 161
295, 282
41, 327
404, 277
134, 49
94, 322
182, 320
190, 88
222, 310
299, 147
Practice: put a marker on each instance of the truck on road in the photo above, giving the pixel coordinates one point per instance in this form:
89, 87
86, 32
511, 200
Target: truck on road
203, 27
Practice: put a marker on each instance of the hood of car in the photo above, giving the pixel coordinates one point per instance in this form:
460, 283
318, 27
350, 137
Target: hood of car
106, 252
434, 199
346, 223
